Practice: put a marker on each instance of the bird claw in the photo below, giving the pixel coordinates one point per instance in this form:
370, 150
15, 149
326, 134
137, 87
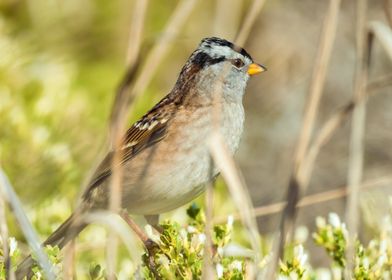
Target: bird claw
152, 248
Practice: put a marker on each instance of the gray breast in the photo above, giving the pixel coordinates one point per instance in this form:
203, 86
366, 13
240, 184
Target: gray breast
184, 171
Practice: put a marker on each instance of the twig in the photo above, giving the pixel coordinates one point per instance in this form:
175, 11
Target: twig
355, 167
7, 191
297, 185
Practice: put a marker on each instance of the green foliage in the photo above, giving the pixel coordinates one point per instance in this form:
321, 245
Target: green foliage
55, 258
373, 261
295, 264
180, 251
13, 254
333, 237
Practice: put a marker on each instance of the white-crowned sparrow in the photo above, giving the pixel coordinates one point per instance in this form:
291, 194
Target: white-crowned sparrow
165, 155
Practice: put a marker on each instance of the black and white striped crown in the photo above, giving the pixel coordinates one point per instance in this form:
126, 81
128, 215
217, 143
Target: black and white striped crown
213, 50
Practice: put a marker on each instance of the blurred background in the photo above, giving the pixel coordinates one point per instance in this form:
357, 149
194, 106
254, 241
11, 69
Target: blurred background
62, 61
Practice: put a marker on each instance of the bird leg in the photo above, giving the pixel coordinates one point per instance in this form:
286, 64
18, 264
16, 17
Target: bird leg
137, 230
149, 244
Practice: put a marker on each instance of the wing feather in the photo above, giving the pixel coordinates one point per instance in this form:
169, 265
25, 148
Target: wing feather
145, 133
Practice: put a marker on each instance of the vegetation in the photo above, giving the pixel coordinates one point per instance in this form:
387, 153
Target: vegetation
61, 63
180, 254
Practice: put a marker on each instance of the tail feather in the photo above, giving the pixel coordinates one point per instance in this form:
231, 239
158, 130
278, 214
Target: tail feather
60, 237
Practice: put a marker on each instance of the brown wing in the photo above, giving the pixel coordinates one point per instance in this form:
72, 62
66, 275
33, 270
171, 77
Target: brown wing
148, 131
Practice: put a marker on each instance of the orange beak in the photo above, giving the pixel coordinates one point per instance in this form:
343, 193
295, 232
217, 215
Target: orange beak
255, 68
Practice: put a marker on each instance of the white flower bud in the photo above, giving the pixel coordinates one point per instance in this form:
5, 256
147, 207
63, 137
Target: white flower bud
334, 220
13, 245
320, 222
219, 270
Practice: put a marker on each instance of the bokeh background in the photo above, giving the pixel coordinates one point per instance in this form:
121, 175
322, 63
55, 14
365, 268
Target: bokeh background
61, 63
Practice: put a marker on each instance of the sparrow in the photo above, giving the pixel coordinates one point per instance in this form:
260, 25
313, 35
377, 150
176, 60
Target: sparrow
165, 155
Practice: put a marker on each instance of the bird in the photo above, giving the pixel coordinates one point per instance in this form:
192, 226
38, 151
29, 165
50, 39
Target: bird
165, 155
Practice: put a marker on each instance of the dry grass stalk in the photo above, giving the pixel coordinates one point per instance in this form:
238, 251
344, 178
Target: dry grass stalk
250, 19
336, 121
238, 191
383, 34
296, 185
225, 163
217, 98
126, 92
314, 199
124, 99
318, 79
161, 47
136, 31
7, 191
379, 83
322, 137
356, 154
69, 260
208, 270
227, 18
117, 124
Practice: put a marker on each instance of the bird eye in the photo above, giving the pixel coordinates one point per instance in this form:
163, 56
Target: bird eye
238, 63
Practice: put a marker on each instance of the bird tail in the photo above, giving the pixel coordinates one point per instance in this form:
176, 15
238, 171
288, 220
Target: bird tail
60, 237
